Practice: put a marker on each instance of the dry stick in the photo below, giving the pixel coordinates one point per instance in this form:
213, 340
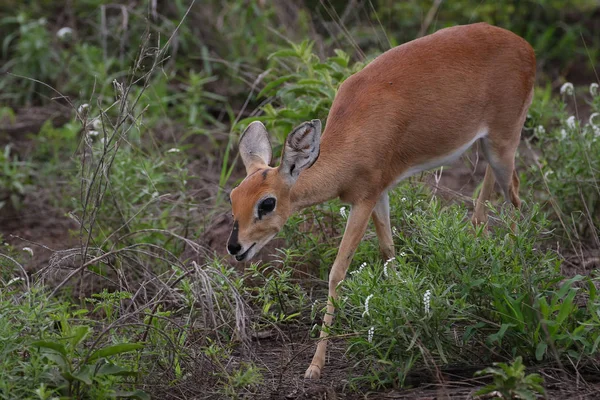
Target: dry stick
429, 17
342, 28
368, 18
589, 56
106, 255
123, 94
23, 271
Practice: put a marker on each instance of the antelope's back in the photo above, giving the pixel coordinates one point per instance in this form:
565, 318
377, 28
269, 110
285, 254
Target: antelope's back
433, 93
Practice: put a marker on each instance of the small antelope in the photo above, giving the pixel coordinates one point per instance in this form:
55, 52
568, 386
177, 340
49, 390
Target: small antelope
416, 107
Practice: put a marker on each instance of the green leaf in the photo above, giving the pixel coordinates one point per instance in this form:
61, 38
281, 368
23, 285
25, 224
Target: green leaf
274, 84
524, 394
566, 307
58, 359
84, 375
115, 349
485, 390
540, 350
79, 334
284, 53
114, 370
497, 337
55, 346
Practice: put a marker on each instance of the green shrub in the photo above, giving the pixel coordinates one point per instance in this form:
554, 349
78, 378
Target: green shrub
568, 169
303, 86
512, 382
452, 296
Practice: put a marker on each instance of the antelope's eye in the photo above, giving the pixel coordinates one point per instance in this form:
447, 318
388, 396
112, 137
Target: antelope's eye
266, 206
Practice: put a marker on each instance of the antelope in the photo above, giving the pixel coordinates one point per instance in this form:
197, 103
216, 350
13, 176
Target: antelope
416, 107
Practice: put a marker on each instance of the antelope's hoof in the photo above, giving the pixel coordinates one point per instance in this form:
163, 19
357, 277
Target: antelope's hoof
313, 372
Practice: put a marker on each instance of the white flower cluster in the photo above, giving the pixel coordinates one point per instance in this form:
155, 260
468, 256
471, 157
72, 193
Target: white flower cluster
83, 108
359, 270
370, 334
343, 212
567, 88
539, 130
427, 301
385, 267
64, 33
366, 313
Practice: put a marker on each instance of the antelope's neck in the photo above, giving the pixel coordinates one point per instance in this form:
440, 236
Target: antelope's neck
317, 184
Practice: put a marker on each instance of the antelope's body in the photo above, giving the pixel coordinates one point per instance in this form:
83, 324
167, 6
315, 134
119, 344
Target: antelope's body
416, 107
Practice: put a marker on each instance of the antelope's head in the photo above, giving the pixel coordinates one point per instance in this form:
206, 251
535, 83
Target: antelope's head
261, 203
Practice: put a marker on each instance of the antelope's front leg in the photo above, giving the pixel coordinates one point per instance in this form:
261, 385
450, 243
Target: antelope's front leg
355, 229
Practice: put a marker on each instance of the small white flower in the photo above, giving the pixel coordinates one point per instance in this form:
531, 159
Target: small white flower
594, 89
64, 32
343, 212
427, 300
13, 280
403, 199
370, 334
385, 265
93, 133
118, 87
563, 134
571, 123
395, 231
539, 130
359, 270
173, 150
28, 250
97, 123
596, 129
366, 313
402, 254
83, 108
567, 88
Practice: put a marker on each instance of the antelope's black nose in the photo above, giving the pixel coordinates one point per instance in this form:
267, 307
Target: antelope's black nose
233, 248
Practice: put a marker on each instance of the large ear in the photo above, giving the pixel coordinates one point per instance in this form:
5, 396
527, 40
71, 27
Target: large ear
301, 150
255, 147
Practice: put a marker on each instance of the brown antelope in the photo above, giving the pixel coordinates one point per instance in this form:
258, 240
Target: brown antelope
416, 107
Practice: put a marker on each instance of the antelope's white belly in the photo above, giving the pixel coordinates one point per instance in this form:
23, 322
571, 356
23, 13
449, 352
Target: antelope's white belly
441, 161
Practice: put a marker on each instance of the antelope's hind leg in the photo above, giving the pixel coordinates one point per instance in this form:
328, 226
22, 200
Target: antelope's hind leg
383, 226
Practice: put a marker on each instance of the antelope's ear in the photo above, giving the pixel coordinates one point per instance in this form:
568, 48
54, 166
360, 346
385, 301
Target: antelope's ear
255, 147
301, 150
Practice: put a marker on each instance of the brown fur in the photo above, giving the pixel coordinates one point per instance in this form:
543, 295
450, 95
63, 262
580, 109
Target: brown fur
415, 103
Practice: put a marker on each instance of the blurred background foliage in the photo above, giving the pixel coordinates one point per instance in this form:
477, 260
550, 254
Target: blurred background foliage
224, 45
